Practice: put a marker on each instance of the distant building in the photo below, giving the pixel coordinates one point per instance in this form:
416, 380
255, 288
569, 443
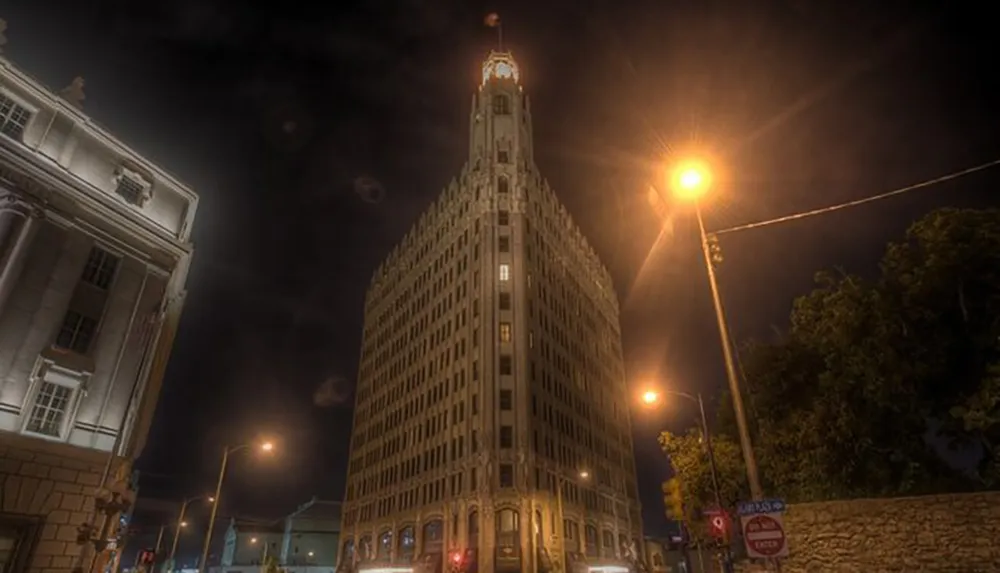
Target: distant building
491, 425
94, 255
312, 535
250, 542
304, 542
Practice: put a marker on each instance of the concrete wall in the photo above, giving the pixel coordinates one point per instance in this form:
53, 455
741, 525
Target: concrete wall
956, 532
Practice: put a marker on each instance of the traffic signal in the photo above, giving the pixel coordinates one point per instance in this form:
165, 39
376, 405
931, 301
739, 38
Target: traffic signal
146, 557
673, 499
718, 524
714, 249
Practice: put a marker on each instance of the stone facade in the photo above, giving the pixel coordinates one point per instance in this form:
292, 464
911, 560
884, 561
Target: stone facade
491, 424
46, 492
94, 253
959, 533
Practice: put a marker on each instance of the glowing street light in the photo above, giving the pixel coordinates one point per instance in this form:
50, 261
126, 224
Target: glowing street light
266, 447
650, 397
181, 524
253, 540
690, 180
584, 474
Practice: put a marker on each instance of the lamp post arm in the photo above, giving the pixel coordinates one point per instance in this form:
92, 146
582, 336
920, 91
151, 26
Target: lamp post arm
215, 508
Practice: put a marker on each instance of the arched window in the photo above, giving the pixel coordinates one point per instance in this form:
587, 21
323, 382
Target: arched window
501, 104
433, 536
407, 542
384, 548
503, 184
592, 548
348, 553
608, 543
507, 521
473, 528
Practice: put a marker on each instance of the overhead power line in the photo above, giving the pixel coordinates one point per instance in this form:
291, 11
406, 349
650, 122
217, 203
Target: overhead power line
857, 202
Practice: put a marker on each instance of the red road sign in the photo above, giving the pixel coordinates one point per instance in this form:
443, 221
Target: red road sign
764, 535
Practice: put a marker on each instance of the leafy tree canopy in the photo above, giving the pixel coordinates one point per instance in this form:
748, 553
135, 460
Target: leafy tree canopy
844, 403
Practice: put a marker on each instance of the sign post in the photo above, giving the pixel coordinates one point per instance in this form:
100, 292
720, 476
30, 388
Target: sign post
763, 528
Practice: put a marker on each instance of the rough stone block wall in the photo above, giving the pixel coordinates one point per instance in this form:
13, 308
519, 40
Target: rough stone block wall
54, 484
958, 533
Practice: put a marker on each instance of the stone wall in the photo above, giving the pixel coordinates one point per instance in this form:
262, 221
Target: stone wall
46, 492
959, 533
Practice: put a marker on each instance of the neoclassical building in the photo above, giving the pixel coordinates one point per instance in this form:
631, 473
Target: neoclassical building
94, 254
491, 430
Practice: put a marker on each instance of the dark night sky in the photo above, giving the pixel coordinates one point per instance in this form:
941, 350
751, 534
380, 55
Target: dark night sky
273, 111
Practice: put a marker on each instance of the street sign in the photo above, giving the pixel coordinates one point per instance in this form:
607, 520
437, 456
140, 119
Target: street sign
761, 506
764, 535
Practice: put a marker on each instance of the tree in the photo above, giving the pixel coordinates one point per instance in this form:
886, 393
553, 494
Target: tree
843, 401
689, 459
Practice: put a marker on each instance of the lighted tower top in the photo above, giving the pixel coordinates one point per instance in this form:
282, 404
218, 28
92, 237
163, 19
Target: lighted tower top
500, 66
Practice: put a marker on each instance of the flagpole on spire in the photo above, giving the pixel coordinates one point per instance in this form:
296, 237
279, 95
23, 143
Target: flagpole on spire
492, 20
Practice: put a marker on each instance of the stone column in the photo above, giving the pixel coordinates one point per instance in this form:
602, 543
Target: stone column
20, 225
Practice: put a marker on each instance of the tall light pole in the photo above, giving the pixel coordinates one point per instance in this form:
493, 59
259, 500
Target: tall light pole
180, 524
690, 181
266, 447
652, 397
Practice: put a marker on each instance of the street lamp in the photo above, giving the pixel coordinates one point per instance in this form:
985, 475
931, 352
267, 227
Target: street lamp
264, 447
561, 526
181, 524
651, 397
690, 181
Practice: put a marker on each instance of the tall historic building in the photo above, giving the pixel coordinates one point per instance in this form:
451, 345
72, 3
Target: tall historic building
491, 393
94, 253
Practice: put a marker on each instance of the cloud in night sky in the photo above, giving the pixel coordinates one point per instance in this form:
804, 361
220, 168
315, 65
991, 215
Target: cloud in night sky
334, 391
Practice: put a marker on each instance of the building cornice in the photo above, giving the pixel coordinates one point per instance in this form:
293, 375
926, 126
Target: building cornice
91, 128
25, 173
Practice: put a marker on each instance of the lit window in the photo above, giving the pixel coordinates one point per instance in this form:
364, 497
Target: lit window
505, 272
48, 415
504, 332
13, 118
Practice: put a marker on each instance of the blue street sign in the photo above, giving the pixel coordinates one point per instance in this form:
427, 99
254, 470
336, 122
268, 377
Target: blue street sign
762, 506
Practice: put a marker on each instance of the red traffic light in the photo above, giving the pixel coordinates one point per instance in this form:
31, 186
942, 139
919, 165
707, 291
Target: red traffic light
718, 524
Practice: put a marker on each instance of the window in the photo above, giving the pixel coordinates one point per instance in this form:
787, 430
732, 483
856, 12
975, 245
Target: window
503, 244
48, 415
77, 332
506, 437
504, 301
503, 157
506, 365
505, 272
503, 218
504, 332
100, 268
501, 105
13, 118
506, 475
503, 185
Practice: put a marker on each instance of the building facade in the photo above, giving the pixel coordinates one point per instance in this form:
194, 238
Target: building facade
491, 429
94, 254
304, 542
312, 535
